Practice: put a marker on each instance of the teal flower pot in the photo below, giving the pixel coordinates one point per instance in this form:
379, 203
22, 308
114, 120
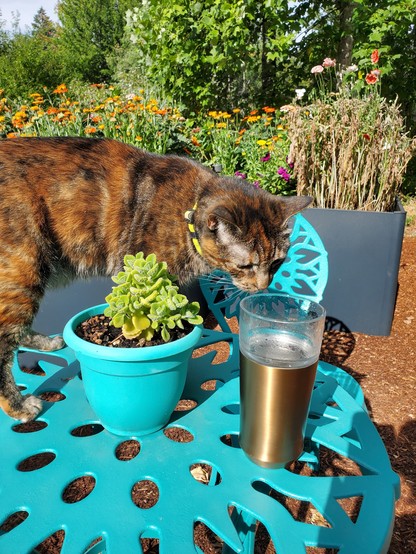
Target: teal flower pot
133, 391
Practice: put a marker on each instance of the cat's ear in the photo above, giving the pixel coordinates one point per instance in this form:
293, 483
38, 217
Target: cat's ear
291, 205
220, 213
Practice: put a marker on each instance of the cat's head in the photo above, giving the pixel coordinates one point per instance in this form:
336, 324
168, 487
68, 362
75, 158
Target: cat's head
244, 231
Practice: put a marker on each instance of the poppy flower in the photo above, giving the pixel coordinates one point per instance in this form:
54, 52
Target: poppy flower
328, 62
374, 56
317, 69
371, 79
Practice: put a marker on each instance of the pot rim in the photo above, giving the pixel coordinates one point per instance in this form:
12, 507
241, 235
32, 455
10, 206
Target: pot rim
127, 354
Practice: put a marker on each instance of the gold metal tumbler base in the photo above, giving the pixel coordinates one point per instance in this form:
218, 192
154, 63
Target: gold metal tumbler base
274, 407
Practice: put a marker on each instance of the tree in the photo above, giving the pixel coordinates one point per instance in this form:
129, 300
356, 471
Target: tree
214, 53
90, 31
42, 24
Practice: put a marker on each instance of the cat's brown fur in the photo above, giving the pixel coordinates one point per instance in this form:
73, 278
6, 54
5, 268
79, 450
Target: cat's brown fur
74, 207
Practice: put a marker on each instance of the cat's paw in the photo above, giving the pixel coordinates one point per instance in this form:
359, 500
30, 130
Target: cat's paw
30, 408
54, 343
42, 342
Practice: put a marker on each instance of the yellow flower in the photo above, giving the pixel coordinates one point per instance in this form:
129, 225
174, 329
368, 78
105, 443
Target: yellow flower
221, 125
261, 142
139, 138
236, 110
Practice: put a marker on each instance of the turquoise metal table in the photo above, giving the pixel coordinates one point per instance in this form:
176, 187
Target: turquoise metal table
67, 444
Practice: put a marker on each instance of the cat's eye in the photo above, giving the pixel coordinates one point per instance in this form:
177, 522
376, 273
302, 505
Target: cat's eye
247, 266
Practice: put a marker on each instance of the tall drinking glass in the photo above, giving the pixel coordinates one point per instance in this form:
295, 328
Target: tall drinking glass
280, 342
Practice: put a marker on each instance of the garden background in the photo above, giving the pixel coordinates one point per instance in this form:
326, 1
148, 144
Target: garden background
214, 80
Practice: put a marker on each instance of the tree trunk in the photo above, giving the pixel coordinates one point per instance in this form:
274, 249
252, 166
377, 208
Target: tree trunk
346, 43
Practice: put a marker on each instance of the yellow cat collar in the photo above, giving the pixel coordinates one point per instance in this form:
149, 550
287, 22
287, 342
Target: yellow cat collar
189, 216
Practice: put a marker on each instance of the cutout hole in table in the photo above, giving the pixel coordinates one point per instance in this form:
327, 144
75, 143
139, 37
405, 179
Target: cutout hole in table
127, 450
145, 494
150, 545
185, 405
13, 521
230, 440
178, 434
36, 461
30, 426
87, 430
206, 474
52, 396
78, 489
206, 539
53, 543
97, 546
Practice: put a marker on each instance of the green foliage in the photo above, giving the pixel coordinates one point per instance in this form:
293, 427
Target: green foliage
90, 32
146, 301
193, 50
253, 147
30, 62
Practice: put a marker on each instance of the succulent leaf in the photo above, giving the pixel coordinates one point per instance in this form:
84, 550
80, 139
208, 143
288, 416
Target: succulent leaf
146, 300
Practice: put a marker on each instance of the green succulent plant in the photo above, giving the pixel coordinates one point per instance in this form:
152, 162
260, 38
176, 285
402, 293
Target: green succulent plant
145, 300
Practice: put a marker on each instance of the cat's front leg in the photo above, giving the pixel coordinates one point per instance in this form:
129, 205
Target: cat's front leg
12, 402
37, 341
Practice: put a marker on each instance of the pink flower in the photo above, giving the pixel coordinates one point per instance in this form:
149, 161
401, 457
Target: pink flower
240, 175
376, 72
317, 69
328, 62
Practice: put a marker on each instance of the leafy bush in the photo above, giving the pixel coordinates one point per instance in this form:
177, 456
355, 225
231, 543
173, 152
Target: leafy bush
145, 300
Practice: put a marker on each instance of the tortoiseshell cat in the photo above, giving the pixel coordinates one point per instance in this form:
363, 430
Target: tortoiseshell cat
74, 207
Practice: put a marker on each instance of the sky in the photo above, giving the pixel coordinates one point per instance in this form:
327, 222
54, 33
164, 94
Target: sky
27, 10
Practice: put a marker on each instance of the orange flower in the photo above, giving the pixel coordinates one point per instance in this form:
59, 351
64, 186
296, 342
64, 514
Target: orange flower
375, 56
371, 79
61, 89
90, 130
267, 109
195, 141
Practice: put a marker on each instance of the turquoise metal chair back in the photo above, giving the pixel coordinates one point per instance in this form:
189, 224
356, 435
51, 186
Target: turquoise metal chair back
304, 273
